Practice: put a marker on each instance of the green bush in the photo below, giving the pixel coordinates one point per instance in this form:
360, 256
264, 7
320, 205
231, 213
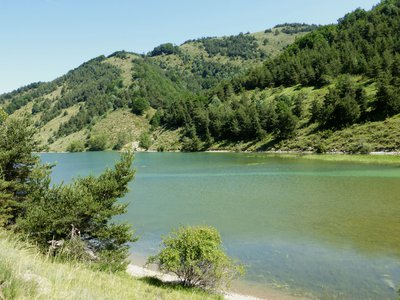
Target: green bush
76, 146
140, 105
165, 49
191, 144
361, 148
122, 139
145, 141
97, 143
196, 256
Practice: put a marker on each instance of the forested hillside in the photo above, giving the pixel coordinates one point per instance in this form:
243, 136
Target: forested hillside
316, 96
111, 101
293, 87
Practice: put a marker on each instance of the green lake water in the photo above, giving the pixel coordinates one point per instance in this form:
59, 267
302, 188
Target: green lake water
327, 229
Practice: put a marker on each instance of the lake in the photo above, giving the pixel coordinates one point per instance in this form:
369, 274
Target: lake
326, 229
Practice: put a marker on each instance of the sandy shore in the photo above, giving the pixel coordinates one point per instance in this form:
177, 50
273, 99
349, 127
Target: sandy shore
138, 271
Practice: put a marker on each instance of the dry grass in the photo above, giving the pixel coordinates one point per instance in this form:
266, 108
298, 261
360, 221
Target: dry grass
276, 43
47, 130
61, 144
167, 140
26, 274
125, 65
122, 121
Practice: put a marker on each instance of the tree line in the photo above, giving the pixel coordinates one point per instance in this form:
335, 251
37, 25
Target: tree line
363, 43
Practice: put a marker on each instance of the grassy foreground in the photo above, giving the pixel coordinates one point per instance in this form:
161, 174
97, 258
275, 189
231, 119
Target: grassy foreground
26, 274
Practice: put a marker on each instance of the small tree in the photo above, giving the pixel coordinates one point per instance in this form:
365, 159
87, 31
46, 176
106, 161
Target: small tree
122, 139
196, 256
76, 146
145, 141
89, 205
97, 143
21, 173
139, 105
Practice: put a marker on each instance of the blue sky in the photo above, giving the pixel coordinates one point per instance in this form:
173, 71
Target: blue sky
43, 39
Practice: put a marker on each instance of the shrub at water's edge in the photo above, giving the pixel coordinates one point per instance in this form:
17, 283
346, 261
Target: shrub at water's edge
195, 255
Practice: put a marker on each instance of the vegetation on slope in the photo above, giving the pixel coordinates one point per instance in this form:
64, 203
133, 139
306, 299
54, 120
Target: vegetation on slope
72, 108
354, 64
203, 63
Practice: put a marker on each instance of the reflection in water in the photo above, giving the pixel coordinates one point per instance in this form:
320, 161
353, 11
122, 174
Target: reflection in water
322, 227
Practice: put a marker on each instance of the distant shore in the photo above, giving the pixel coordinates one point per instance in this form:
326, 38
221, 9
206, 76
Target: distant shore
379, 157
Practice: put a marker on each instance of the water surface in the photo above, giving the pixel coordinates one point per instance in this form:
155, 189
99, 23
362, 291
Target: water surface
326, 228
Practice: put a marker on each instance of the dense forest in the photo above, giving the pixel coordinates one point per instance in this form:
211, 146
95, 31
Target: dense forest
294, 81
363, 43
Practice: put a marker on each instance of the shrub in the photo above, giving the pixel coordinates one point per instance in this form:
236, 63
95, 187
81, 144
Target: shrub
361, 148
97, 143
145, 141
139, 106
191, 144
321, 147
76, 146
122, 139
196, 256
165, 49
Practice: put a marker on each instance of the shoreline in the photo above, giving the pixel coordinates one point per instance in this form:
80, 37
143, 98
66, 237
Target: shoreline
277, 152
140, 271
377, 157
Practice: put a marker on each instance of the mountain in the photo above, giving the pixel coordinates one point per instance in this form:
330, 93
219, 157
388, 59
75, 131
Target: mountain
335, 89
293, 87
96, 98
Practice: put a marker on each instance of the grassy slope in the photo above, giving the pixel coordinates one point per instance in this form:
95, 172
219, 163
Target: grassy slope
125, 66
379, 136
26, 274
195, 49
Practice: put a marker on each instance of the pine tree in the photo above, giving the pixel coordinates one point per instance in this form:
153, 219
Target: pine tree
21, 173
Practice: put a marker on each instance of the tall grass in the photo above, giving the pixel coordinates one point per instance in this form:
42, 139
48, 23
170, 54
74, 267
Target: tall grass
27, 274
